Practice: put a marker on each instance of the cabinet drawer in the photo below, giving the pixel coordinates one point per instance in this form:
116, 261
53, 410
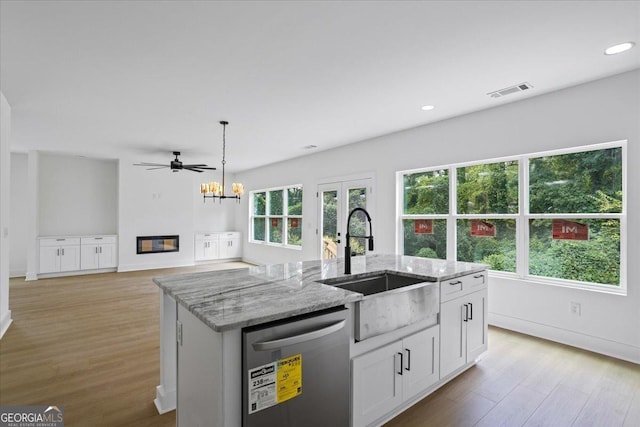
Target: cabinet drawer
458, 286
232, 235
98, 240
59, 241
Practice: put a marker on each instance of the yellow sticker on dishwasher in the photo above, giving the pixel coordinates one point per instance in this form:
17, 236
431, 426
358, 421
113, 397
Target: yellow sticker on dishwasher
289, 377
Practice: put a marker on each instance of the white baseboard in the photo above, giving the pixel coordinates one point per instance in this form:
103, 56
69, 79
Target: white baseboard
165, 401
251, 261
17, 273
586, 342
5, 322
76, 273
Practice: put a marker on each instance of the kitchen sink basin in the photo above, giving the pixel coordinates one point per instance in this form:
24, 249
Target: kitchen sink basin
390, 301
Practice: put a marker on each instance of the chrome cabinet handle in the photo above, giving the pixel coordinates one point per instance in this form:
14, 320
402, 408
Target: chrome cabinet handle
297, 339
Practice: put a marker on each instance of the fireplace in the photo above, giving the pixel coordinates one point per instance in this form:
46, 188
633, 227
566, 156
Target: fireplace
156, 244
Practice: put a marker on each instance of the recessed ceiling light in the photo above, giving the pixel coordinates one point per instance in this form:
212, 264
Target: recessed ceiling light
619, 48
427, 107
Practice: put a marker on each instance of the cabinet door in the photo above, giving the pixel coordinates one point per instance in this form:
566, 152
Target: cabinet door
235, 250
225, 248
421, 361
201, 246
477, 324
70, 258
49, 259
211, 249
89, 257
376, 383
107, 255
453, 350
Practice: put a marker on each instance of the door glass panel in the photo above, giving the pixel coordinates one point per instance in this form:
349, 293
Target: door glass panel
358, 225
329, 224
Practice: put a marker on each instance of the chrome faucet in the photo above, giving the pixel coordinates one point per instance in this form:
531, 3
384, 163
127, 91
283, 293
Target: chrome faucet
347, 249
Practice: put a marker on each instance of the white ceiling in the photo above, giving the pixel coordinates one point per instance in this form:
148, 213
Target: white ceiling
140, 79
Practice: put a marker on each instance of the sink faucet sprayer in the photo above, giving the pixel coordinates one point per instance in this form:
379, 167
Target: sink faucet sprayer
347, 249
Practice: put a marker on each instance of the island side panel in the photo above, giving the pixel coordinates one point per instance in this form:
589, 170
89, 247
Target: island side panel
165, 400
209, 372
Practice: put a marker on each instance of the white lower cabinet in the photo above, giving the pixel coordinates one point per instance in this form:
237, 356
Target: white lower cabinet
97, 253
59, 255
386, 377
206, 247
463, 326
213, 246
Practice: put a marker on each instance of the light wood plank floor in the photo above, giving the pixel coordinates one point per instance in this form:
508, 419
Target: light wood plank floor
90, 343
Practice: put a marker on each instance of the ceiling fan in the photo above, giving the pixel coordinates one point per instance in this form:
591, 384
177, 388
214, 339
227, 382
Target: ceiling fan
175, 165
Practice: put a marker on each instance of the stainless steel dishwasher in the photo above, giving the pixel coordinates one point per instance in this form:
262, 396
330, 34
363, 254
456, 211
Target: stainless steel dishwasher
296, 372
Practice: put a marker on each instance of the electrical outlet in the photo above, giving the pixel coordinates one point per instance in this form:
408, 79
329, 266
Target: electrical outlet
575, 308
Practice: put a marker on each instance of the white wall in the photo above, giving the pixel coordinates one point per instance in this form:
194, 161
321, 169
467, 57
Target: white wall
600, 111
19, 207
159, 202
77, 195
5, 210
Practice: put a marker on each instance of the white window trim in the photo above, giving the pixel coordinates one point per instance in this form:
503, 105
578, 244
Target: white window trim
522, 217
284, 217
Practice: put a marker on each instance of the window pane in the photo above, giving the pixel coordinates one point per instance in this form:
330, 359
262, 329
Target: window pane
584, 250
491, 241
426, 192
585, 182
425, 238
258, 229
259, 203
275, 202
295, 200
359, 224
329, 224
488, 189
294, 231
275, 230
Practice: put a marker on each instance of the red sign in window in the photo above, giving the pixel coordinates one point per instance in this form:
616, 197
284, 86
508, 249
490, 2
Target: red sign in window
482, 228
274, 222
423, 226
569, 230
294, 222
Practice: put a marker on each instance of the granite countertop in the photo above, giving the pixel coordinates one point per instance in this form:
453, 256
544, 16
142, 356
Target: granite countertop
230, 299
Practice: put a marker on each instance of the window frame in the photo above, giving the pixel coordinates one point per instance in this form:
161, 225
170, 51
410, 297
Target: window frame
284, 218
522, 218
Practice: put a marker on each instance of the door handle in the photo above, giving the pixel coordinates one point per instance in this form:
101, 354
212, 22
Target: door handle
401, 362
466, 313
470, 311
408, 368
62, 251
297, 339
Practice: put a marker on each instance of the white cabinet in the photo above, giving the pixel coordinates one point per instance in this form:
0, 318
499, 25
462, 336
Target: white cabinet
230, 246
59, 254
384, 378
97, 252
206, 247
463, 321
213, 246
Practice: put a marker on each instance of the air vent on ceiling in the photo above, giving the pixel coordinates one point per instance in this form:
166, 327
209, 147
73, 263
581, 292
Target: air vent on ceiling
510, 90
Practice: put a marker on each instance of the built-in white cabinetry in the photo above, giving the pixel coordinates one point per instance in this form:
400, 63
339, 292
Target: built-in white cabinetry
67, 254
384, 378
206, 247
214, 246
463, 321
59, 254
97, 252
230, 246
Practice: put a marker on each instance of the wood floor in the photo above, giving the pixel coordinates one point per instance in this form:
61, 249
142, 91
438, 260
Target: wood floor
90, 344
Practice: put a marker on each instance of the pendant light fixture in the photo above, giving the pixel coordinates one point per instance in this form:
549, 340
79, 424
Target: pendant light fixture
215, 190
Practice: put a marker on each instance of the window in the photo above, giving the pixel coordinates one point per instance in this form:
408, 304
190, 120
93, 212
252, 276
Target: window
555, 217
276, 216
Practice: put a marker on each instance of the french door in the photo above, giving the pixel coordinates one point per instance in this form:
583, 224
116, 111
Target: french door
335, 201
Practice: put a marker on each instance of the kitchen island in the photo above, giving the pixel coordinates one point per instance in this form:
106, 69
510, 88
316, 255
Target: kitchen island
203, 314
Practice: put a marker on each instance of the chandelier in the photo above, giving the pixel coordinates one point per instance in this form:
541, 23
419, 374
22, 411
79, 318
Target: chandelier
215, 190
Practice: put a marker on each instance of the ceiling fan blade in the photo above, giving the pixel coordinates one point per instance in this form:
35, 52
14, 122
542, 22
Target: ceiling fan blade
199, 167
157, 167
149, 164
192, 169
195, 166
